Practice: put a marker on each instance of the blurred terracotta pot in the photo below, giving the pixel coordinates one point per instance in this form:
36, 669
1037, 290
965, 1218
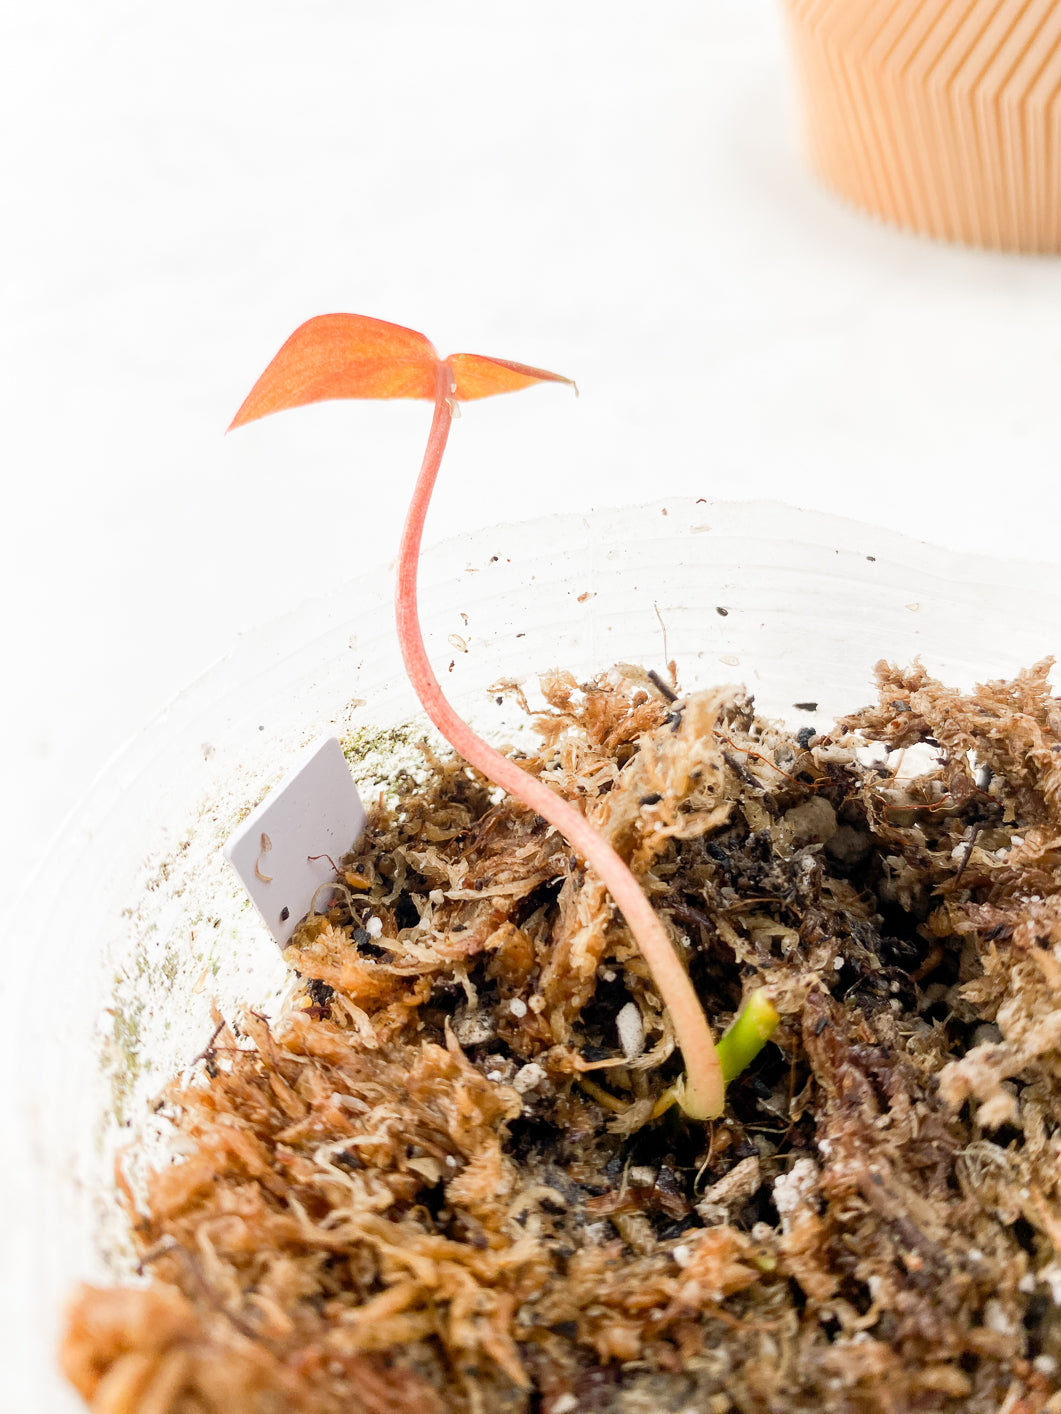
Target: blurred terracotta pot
942, 116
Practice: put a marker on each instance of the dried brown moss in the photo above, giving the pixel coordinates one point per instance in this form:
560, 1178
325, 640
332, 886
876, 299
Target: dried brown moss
435, 1184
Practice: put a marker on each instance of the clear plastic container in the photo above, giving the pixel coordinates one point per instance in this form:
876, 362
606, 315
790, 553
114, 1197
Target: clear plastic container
137, 924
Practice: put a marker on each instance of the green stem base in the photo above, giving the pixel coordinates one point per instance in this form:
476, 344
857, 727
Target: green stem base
751, 1030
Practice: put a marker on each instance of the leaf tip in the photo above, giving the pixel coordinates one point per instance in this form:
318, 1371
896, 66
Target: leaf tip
478, 376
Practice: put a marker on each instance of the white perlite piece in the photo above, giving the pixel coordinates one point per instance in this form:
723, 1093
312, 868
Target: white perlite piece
529, 1077
795, 1190
283, 850
1051, 1275
813, 822
474, 1028
631, 1029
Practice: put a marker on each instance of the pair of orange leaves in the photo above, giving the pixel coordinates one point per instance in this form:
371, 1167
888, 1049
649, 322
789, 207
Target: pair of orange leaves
354, 356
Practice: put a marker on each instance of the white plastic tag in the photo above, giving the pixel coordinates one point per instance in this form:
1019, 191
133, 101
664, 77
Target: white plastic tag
283, 851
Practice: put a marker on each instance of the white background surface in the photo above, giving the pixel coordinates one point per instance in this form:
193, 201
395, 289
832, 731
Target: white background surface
601, 188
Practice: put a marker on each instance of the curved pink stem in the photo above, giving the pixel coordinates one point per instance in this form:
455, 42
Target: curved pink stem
703, 1094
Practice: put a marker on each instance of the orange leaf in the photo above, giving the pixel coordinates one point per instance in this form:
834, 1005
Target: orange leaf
479, 377
343, 356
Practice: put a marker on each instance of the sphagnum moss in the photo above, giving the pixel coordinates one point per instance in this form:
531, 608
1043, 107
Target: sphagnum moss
369, 1213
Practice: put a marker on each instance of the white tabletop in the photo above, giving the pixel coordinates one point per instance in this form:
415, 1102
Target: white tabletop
608, 190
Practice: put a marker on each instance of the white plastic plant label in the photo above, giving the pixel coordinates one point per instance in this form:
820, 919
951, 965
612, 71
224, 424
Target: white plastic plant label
284, 851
